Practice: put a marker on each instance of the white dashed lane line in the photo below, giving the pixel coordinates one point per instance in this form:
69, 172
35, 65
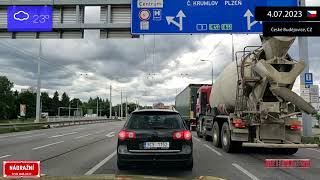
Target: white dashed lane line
212, 149
196, 139
82, 136
5, 156
24, 137
101, 163
253, 177
314, 150
207, 146
60, 135
111, 134
40, 147
15, 135
100, 132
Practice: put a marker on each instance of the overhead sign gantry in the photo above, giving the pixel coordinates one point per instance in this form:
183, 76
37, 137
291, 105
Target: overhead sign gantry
198, 16
66, 21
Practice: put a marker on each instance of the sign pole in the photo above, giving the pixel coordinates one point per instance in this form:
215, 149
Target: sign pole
303, 53
38, 86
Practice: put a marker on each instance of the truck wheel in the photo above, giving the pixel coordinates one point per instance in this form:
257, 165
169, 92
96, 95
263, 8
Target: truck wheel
204, 132
286, 151
207, 137
291, 151
228, 145
216, 135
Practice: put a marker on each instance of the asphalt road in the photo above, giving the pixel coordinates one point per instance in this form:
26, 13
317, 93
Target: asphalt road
91, 149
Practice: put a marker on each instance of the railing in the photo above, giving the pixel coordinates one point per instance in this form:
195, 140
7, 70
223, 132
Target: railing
73, 118
56, 122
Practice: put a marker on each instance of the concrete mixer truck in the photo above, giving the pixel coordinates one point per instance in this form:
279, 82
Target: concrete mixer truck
251, 103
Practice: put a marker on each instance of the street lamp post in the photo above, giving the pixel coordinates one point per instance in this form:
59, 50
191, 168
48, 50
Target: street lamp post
211, 69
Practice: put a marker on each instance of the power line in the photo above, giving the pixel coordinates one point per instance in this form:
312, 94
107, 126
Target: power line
28, 53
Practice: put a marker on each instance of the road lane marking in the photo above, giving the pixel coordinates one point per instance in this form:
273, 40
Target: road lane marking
314, 149
82, 136
101, 163
16, 135
100, 132
78, 129
217, 152
23, 137
5, 156
60, 135
40, 147
111, 134
253, 177
196, 139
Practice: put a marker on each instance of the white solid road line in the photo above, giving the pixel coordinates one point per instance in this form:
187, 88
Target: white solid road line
5, 156
253, 177
16, 135
40, 147
82, 136
314, 149
217, 152
111, 134
101, 163
23, 137
196, 139
60, 135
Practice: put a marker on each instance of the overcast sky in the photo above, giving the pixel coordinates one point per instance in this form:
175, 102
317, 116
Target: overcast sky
149, 69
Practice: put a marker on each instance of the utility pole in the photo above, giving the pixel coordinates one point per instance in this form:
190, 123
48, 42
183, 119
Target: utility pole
119, 110
126, 108
97, 106
121, 106
38, 86
69, 110
78, 112
232, 47
110, 102
304, 55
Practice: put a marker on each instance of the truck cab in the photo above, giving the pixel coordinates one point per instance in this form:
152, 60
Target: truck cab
203, 95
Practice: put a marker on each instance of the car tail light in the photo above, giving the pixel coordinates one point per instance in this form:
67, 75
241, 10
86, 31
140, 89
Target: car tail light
187, 135
239, 123
182, 135
295, 127
123, 135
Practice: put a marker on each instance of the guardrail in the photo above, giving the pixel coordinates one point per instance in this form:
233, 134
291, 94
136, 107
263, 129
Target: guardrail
68, 122
66, 118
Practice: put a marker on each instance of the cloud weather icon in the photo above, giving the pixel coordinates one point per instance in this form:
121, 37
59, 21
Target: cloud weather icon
21, 16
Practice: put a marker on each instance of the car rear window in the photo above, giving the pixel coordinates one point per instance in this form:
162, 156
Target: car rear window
154, 120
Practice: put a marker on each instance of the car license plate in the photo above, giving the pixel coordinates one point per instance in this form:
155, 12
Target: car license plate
156, 145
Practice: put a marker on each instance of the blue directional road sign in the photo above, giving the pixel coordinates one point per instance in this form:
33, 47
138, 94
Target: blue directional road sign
198, 16
308, 79
29, 18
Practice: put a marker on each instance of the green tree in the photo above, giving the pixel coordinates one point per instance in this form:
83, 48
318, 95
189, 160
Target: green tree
46, 103
76, 102
65, 100
7, 100
55, 103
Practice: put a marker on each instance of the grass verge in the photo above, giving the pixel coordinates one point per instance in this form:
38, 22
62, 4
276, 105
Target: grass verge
311, 140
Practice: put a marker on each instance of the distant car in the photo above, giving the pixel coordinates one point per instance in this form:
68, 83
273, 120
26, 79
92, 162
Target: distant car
155, 137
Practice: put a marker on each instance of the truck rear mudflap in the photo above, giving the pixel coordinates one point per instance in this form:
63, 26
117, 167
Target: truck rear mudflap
270, 145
